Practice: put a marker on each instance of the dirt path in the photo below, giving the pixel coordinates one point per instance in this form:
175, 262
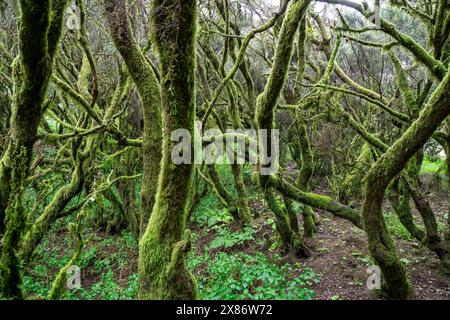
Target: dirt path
340, 257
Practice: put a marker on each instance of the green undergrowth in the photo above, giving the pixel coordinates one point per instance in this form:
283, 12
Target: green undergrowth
253, 276
226, 238
396, 228
233, 266
229, 261
433, 165
107, 266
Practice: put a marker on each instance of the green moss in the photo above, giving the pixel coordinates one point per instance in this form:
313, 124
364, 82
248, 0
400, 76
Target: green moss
316, 201
265, 115
291, 239
306, 164
59, 286
435, 66
401, 77
400, 200
10, 263
354, 182
267, 100
39, 32
149, 90
52, 211
162, 272
381, 174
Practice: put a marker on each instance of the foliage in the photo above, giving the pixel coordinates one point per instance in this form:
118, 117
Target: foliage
396, 228
433, 165
106, 268
208, 214
242, 276
227, 239
360, 102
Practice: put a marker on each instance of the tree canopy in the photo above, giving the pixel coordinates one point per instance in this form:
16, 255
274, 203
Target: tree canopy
209, 135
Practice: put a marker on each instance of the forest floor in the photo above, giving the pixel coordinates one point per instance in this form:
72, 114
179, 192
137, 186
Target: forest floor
340, 258
230, 262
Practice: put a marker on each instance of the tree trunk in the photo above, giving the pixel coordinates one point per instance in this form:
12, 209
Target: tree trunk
149, 91
265, 116
39, 32
163, 247
395, 282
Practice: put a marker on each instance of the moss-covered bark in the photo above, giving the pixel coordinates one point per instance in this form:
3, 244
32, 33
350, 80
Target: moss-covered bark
304, 178
149, 90
39, 32
242, 197
409, 100
59, 286
10, 264
400, 192
52, 211
436, 67
163, 247
353, 183
304, 154
239, 208
245, 215
316, 201
265, 114
395, 282
400, 198
432, 240
222, 192
289, 204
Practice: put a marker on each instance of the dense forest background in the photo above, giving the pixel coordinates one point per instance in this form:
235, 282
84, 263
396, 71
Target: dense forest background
92, 205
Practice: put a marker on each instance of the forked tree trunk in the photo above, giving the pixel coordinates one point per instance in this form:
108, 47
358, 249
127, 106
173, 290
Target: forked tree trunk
265, 117
163, 247
395, 281
39, 32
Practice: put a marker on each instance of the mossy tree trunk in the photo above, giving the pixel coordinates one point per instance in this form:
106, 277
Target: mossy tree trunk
395, 282
304, 179
149, 90
39, 32
265, 116
400, 198
353, 183
245, 215
222, 192
239, 208
163, 247
301, 147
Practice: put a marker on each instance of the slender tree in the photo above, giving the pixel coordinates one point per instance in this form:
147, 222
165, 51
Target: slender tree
265, 115
148, 86
39, 32
163, 247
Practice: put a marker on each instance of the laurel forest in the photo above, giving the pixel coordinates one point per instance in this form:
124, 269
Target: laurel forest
224, 149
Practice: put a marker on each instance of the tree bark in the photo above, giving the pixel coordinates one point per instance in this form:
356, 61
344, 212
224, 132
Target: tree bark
163, 247
395, 282
149, 90
265, 116
39, 32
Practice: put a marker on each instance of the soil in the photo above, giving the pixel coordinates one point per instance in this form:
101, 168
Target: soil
340, 257
339, 254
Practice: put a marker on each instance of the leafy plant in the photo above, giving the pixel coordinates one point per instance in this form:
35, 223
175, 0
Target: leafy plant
396, 227
227, 239
242, 276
